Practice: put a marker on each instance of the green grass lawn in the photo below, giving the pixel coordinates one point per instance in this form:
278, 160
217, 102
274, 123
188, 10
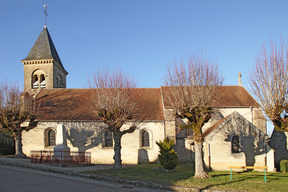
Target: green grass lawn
183, 176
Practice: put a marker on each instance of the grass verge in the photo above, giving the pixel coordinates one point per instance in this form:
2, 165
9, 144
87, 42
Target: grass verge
183, 176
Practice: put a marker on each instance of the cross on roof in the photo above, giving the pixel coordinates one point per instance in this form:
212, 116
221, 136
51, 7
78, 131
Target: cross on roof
45, 12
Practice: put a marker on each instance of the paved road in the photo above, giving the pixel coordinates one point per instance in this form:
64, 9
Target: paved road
21, 179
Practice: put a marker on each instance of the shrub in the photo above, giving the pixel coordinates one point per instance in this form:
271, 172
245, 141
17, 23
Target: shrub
284, 165
168, 157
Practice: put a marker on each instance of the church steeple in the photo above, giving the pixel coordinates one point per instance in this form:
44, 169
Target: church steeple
44, 48
43, 67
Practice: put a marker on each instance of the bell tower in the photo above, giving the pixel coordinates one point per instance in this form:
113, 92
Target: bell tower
43, 67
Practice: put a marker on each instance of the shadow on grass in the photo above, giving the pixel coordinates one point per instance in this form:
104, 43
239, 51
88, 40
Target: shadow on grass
276, 176
145, 172
184, 177
271, 177
218, 175
222, 181
220, 184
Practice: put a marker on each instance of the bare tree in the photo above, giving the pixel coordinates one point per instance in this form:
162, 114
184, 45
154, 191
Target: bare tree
114, 99
193, 93
269, 83
15, 108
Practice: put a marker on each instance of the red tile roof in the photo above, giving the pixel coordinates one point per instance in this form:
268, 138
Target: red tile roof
65, 104
234, 96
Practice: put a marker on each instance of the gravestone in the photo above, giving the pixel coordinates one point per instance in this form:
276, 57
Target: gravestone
61, 151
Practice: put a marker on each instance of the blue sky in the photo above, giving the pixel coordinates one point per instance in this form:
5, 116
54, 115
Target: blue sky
139, 36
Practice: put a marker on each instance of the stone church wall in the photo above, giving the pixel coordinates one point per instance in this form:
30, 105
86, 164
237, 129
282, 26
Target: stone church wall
252, 150
279, 143
29, 69
253, 115
87, 136
50, 69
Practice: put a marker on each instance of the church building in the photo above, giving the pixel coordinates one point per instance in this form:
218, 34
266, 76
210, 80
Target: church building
235, 135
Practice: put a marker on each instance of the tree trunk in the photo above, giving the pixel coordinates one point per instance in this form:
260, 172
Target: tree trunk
117, 135
18, 146
199, 166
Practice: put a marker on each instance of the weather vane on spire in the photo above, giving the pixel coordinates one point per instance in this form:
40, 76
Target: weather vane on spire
45, 12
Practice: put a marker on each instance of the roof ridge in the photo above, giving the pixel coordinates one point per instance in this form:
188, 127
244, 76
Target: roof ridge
213, 127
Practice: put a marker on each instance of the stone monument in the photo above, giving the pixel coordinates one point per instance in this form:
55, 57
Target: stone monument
61, 151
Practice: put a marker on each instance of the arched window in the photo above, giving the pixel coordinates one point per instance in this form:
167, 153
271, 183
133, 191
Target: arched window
42, 81
51, 138
35, 82
108, 141
235, 144
38, 79
60, 83
145, 139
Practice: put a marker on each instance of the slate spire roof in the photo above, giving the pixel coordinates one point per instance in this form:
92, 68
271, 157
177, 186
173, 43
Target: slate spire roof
44, 48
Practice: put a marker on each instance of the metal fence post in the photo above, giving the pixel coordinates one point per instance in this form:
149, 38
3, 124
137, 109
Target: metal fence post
265, 176
231, 174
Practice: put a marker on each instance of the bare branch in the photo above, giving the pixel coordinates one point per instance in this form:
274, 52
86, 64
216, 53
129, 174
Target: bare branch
15, 108
268, 79
194, 91
194, 86
115, 99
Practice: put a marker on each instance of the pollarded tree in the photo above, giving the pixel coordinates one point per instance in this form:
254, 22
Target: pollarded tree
114, 99
194, 91
269, 83
15, 108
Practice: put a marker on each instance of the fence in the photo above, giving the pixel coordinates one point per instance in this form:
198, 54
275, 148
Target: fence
7, 145
60, 157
